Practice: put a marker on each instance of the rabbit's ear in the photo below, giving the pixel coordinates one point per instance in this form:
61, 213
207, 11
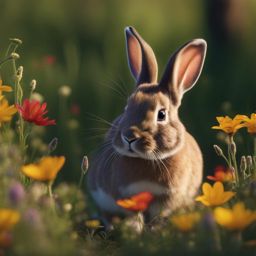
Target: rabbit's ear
184, 68
141, 58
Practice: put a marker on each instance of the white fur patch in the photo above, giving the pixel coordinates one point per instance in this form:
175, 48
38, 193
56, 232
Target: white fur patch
105, 201
144, 186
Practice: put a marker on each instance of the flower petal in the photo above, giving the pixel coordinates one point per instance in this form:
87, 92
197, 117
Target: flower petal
227, 196
223, 216
204, 200
45, 170
207, 188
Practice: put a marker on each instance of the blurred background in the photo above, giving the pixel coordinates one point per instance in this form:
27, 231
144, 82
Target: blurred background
80, 43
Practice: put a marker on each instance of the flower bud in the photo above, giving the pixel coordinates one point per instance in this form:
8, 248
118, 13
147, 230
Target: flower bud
249, 162
85, 165
233, 147
33, 85
16, 40
19, 73
233, 172
15, 55
53, 144
218, 150
243, 164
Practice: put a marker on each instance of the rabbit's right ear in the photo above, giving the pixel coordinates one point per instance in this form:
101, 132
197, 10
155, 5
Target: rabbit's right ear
184, 69
141, 58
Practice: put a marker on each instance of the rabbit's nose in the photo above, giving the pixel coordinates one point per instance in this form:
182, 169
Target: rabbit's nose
129, 140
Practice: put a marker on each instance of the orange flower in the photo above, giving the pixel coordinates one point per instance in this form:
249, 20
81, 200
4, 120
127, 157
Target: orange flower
214, 195
250, 123
186, 222
237, 218
8, 219
4, 88
221, 174
229, 125
138, 202
6, 111
46, 170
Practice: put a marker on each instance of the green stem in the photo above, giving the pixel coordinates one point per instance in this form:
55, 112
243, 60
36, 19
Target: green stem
15, 81
8, 49
50, 194
229, 155
18, 95
226, 160
5, 60
236, 241
49, 189
81, 179
254, 145
15, 48
233, 159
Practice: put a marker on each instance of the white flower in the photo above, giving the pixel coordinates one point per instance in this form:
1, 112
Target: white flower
37, 96
65, 90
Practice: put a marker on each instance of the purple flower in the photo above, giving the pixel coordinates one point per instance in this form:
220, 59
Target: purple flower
32, 216
16, 193
208, 222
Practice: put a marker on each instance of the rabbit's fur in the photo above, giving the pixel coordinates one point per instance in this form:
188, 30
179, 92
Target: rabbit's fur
148, 148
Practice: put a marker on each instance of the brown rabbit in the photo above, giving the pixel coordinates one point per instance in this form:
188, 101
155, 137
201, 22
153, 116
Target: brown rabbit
148, 148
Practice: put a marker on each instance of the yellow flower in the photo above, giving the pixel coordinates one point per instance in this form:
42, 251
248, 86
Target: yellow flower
237, 218
250, 123
214, 195
6, 111
228, 125
8, 218
4, 88
185, 222
93, 224
45, 170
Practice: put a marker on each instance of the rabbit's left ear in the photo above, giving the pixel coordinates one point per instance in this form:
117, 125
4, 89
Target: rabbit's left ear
141, 58
184, 69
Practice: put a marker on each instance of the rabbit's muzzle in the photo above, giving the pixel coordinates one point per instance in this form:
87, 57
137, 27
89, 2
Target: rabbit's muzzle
134, 142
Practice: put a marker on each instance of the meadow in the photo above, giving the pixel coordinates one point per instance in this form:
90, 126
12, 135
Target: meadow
64, 76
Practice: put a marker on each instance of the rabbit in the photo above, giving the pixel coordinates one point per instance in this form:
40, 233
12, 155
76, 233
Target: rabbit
147, 147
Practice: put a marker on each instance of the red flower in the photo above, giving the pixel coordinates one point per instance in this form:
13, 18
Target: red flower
222, 174
75, 109
33, 112
49, 59
139, 202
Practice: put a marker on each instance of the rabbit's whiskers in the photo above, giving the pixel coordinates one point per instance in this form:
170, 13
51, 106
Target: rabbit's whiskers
93, 133
96, 118
118, 92
160, 164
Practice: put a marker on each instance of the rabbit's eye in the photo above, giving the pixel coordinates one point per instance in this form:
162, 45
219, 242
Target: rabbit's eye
161, 115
